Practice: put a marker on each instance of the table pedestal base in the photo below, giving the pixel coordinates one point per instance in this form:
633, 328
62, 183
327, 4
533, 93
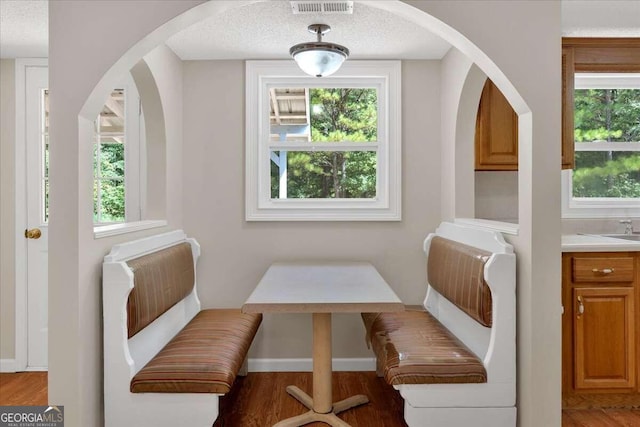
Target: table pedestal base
313, 416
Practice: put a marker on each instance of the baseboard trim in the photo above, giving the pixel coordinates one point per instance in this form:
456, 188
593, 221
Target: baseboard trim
306, 364
8, 365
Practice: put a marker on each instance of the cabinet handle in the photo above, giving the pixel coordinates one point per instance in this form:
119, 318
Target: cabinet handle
604, 270
580, 306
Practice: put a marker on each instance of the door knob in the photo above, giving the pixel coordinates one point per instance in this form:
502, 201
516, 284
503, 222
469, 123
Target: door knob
34, 233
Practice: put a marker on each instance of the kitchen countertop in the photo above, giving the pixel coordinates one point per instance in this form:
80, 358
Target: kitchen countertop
595, 243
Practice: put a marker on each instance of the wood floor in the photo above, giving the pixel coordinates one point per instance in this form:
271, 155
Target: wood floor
259, 400
24, 388
600, 418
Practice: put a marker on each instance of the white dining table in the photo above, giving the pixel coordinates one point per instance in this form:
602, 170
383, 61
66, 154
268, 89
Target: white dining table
322, 288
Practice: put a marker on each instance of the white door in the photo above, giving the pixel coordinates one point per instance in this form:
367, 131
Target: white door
37, 179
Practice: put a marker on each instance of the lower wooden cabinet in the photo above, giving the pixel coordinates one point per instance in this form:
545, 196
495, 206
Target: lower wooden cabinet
603, 338
600, 334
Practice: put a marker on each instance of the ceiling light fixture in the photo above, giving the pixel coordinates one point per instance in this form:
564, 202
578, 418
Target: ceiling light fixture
319, 58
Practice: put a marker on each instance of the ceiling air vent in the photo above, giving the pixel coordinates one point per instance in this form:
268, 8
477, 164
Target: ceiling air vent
326, 6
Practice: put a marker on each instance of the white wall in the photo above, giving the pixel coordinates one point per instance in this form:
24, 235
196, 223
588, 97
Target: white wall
600, 18
7, 208
166, 68
236, 253
523, 40
496, 195
456, 189
521, 37
597, 225
80, 54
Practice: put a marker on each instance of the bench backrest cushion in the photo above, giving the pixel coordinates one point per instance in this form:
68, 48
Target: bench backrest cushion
160, 279
456, 271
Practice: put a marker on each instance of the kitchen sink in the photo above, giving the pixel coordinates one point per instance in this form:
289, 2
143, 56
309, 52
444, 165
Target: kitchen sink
632, 237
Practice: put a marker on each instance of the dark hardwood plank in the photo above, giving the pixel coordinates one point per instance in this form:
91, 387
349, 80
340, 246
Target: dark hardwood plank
567, 421
591, 418
600, 417
600, 400
260, 399
625, 417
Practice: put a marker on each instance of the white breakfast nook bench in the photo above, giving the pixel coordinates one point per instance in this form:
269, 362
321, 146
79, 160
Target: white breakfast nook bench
166, 361
454, 360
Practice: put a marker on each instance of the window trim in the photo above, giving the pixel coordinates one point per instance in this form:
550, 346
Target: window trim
609, 207
386, 75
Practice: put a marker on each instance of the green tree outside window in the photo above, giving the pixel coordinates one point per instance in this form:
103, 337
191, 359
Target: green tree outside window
609, 115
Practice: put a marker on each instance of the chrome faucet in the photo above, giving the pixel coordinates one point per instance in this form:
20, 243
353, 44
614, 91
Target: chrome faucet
628, 226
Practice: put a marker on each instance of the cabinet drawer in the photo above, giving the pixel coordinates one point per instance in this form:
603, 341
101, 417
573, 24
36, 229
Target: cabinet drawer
614, 269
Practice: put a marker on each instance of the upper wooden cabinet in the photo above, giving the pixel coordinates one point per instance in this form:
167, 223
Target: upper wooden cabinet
496, 139
496, 131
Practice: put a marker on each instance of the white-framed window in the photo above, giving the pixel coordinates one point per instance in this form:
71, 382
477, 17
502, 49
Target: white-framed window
117, 158
116, 164
323, 149
605, 181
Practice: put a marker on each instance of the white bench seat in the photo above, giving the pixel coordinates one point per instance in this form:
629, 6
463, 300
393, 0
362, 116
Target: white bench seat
166, 361
454, 363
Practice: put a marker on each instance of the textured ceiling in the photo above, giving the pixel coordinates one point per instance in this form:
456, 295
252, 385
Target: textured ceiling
24, 29
268, 30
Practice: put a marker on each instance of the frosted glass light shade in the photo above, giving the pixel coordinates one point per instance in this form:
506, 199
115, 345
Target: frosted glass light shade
318, 60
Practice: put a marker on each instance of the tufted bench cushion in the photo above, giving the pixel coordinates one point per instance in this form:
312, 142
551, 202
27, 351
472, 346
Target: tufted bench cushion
413, 347
203, 357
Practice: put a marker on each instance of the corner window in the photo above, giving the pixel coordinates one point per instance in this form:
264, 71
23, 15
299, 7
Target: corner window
323, 149
605, 181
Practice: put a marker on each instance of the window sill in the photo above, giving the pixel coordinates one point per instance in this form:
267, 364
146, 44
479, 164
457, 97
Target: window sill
103, 231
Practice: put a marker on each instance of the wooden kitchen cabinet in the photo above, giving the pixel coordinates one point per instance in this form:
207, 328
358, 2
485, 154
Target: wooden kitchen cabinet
496, 139
600, 344
603, 334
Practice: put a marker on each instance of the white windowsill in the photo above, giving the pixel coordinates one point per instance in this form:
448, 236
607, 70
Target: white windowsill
102, 231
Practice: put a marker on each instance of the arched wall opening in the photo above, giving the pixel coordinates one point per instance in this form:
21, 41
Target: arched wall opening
532, 301
465, 189
459, 41
478, 67
480, 194
458, 205
153, 164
